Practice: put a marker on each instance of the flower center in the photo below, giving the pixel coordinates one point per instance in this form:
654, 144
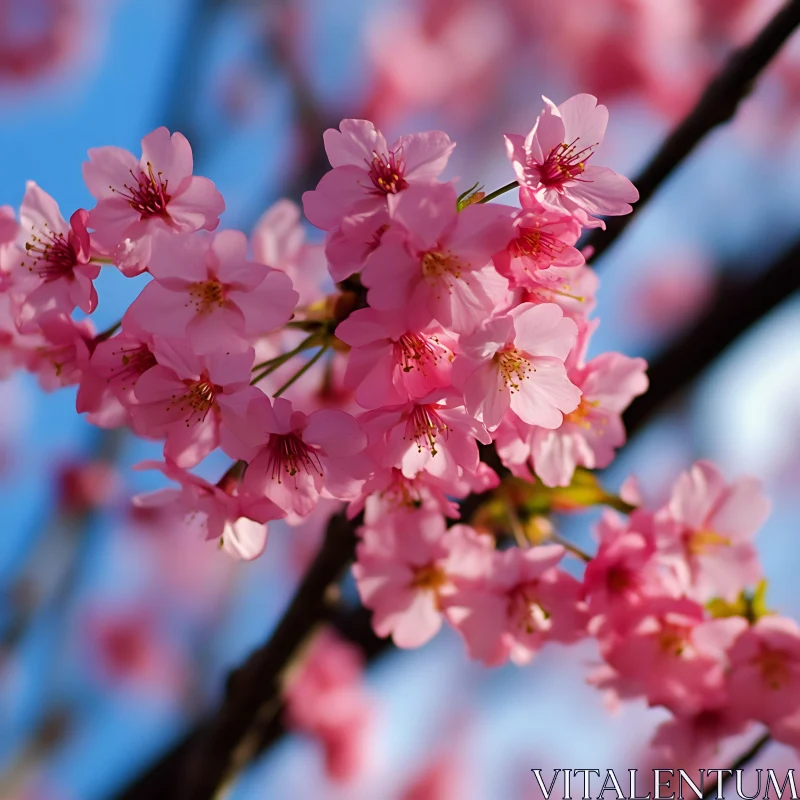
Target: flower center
207, 295
581, 416
619, 579
51, 255
564, 163
386, 172
532, 243
514, 366
148, 194
289, 454
198, 400
525, 609
672, 640
423, 426
414, 351
774, 669
437, 265
703, 542
134, 361
429, 578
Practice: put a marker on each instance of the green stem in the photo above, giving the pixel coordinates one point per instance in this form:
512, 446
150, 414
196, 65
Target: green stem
99, 260
302, 371
108, 332
273, 363
497, 192
573, 548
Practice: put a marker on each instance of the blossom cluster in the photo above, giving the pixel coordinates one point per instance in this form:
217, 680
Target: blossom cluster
371, 369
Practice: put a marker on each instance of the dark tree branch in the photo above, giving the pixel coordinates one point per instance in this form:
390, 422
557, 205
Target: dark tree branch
713, 789
716, 106
740, 303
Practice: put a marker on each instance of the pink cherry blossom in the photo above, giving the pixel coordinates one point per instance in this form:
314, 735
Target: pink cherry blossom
542, 239
206, 289
669, 654
64, 355
552, 161
765, 669
193, 401
433, 433
436, 259
366, 170
404, 567
218, 512
709, 524
516, 361
394, 357
56, 270
296, 458
139, 198
519, 603
590, 434
279, 241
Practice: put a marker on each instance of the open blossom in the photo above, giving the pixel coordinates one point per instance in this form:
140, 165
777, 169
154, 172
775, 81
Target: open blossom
394, 356
438, 260
193, 401
205, 288
433, 433
214, 512
405, 565
56, 271
521, 601
589, 434
516, 361
670, 654
542, 239
63, 355
552, 161
710, 524
366, 170
137, 198
297, 458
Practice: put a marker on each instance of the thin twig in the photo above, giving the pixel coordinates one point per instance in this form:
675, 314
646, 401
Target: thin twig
741, 762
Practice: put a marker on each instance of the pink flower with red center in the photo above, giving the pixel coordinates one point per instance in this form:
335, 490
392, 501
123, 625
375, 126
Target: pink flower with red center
518, 603
709, 524
193, 401
219, 512
542, 239
668, 653
764, 676
433, 433
516, 362
139, 198
56, 269
405, 566
296, 458
552, 162
394, 357
206, 289
64, 355
437, 260
590, 434
366, 170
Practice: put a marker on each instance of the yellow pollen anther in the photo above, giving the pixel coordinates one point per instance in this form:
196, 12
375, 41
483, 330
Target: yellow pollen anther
207, 295
514, 366
705, 541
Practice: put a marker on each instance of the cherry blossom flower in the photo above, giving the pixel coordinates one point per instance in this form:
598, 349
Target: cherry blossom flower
394, 357
194, 401
516, 361
437, 259
709, 524
405, 566
206, 289
519, 603
139, 198
56, 267
366, 170
296, 458
552, 161
64, 355
219, 512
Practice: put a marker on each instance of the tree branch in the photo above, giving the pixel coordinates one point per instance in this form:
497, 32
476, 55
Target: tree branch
716, 106
741, 762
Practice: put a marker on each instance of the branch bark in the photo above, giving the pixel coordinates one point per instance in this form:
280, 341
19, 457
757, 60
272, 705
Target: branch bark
716, 106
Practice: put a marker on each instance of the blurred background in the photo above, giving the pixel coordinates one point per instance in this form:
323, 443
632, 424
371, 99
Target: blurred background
116, 633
